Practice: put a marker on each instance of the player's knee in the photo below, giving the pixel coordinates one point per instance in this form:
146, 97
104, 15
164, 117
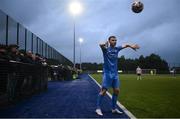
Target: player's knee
116, 91
103, 92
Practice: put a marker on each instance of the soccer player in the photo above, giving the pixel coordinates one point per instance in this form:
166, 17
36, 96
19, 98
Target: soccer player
138, 72
110, 72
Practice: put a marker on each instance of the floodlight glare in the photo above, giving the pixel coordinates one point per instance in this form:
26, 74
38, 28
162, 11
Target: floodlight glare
75, 8
81, 40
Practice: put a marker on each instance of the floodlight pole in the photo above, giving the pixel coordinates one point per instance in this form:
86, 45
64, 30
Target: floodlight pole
74, 44
80, 58
80, 45
75, 9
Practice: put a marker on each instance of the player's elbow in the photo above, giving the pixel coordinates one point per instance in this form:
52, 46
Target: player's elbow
125, 46
101, 45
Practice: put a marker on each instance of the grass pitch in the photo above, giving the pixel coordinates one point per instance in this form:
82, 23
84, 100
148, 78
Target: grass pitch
152, 97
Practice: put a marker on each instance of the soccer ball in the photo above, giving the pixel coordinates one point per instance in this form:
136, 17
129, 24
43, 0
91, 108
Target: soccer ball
137, 6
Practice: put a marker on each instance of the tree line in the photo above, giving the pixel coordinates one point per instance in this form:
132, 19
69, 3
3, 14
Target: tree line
153, 61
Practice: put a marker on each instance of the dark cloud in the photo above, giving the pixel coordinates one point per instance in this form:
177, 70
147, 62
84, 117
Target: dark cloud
155, 29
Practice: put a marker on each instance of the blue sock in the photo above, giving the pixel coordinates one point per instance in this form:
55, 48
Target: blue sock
114, 101
99, 100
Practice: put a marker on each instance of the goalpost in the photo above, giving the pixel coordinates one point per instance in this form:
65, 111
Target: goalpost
149, 71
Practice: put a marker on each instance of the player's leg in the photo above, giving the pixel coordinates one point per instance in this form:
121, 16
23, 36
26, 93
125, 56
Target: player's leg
137, 77
116, 90
115, 97
102, 93
105, 85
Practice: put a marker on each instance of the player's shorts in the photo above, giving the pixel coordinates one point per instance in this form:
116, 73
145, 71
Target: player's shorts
110, 81
139, 74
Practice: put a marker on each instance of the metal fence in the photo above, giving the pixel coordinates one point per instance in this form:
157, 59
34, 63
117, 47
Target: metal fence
12, 32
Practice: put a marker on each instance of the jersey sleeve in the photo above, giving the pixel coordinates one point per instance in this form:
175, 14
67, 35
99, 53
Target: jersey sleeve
119, 48
104, 49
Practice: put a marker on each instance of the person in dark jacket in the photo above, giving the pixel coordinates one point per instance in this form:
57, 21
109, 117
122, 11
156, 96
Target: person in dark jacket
3, 52
13, 52
29, 57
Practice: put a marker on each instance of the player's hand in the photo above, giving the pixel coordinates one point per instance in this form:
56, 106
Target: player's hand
104, 45
107, 43
135, 47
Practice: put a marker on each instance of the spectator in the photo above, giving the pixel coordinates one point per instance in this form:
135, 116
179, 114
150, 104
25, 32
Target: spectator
43, 61
29, 57
22, 54
38, 59
3, 52
13, 52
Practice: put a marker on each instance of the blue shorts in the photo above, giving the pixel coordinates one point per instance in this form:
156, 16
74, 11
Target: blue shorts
110, 81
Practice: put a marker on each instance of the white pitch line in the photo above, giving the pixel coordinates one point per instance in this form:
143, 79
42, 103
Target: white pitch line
118, 103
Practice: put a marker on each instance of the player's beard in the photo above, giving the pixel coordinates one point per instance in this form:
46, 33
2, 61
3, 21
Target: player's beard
113, 45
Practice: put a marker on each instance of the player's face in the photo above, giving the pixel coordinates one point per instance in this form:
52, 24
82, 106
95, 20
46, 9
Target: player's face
112, 42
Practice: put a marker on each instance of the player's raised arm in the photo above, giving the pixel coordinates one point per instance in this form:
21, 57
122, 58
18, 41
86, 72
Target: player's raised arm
134, 46
104, 45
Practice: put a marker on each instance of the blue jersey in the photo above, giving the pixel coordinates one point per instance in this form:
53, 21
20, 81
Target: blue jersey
110, 68
110, 55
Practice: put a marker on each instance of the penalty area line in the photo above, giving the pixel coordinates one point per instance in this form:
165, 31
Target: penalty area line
118, 103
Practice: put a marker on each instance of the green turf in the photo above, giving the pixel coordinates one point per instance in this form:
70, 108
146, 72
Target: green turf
153, 97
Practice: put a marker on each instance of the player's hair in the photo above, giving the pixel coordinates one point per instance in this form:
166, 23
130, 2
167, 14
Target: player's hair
111, 37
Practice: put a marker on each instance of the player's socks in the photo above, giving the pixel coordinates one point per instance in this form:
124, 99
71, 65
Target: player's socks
114, 101
99, 101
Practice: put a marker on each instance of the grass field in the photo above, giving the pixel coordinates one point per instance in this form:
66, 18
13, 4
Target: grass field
153, 97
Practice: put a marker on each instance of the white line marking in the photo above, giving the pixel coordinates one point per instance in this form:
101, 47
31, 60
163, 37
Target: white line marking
118, 103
